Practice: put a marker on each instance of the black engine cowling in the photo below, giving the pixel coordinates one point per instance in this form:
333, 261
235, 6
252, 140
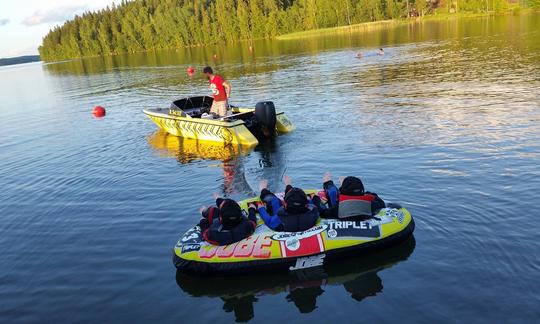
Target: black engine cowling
265, 112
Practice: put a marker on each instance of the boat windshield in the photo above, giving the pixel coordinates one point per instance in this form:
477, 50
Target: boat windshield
192, 106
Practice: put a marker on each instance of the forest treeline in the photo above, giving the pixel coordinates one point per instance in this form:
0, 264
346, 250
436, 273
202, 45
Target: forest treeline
140, 25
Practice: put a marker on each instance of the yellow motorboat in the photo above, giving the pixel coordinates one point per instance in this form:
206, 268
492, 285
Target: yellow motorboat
191, 118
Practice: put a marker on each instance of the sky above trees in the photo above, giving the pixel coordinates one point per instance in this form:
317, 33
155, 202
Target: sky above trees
23, 23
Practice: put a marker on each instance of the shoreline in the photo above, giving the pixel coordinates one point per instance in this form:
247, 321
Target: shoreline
382, 24
360, 27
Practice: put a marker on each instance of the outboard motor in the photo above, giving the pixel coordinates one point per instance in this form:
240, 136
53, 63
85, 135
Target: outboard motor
265, 112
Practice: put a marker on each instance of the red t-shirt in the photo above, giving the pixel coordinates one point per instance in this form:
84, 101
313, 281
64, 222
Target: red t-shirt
218, 90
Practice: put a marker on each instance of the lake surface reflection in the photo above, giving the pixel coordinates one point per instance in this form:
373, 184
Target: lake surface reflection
358, 276
446, 122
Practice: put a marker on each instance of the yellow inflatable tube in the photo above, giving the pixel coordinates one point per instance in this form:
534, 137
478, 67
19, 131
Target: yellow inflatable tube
266, 249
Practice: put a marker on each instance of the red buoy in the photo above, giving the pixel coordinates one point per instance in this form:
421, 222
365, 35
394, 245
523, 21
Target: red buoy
190, 70
98, 111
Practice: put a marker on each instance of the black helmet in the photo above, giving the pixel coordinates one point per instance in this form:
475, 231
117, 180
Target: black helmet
352, 186
296, 200
230, 212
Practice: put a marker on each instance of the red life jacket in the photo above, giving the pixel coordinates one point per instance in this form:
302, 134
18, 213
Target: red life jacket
366, 197
350, 206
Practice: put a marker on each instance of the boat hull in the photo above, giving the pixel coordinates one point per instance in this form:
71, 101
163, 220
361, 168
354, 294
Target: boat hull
228, 132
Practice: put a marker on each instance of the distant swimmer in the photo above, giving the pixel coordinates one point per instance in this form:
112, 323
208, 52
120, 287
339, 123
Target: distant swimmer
359, 55
381, 52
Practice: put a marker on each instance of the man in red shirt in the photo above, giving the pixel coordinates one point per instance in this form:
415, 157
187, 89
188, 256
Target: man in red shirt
221, 90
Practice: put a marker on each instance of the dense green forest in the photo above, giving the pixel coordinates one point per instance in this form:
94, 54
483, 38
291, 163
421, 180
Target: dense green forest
141, 25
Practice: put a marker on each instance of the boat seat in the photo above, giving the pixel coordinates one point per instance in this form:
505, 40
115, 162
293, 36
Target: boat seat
189, 112
194, 112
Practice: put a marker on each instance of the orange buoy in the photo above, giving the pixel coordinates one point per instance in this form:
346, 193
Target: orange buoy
98, 111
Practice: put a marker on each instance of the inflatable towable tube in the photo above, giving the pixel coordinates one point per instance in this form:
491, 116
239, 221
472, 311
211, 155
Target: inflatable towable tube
266, 249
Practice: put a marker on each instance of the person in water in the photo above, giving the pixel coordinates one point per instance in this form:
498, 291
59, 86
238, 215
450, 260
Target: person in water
295, 213
381, 52
349, 200
225, 223
221, 90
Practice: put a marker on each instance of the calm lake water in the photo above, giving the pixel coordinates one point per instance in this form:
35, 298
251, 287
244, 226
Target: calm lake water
447, 123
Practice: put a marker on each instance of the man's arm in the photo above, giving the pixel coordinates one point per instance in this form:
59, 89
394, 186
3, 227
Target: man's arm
271, 221
228, 88
209, 214
332, 193
252, 210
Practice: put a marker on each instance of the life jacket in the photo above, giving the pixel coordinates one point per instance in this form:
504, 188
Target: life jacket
355, 205
298, 222
217, 234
